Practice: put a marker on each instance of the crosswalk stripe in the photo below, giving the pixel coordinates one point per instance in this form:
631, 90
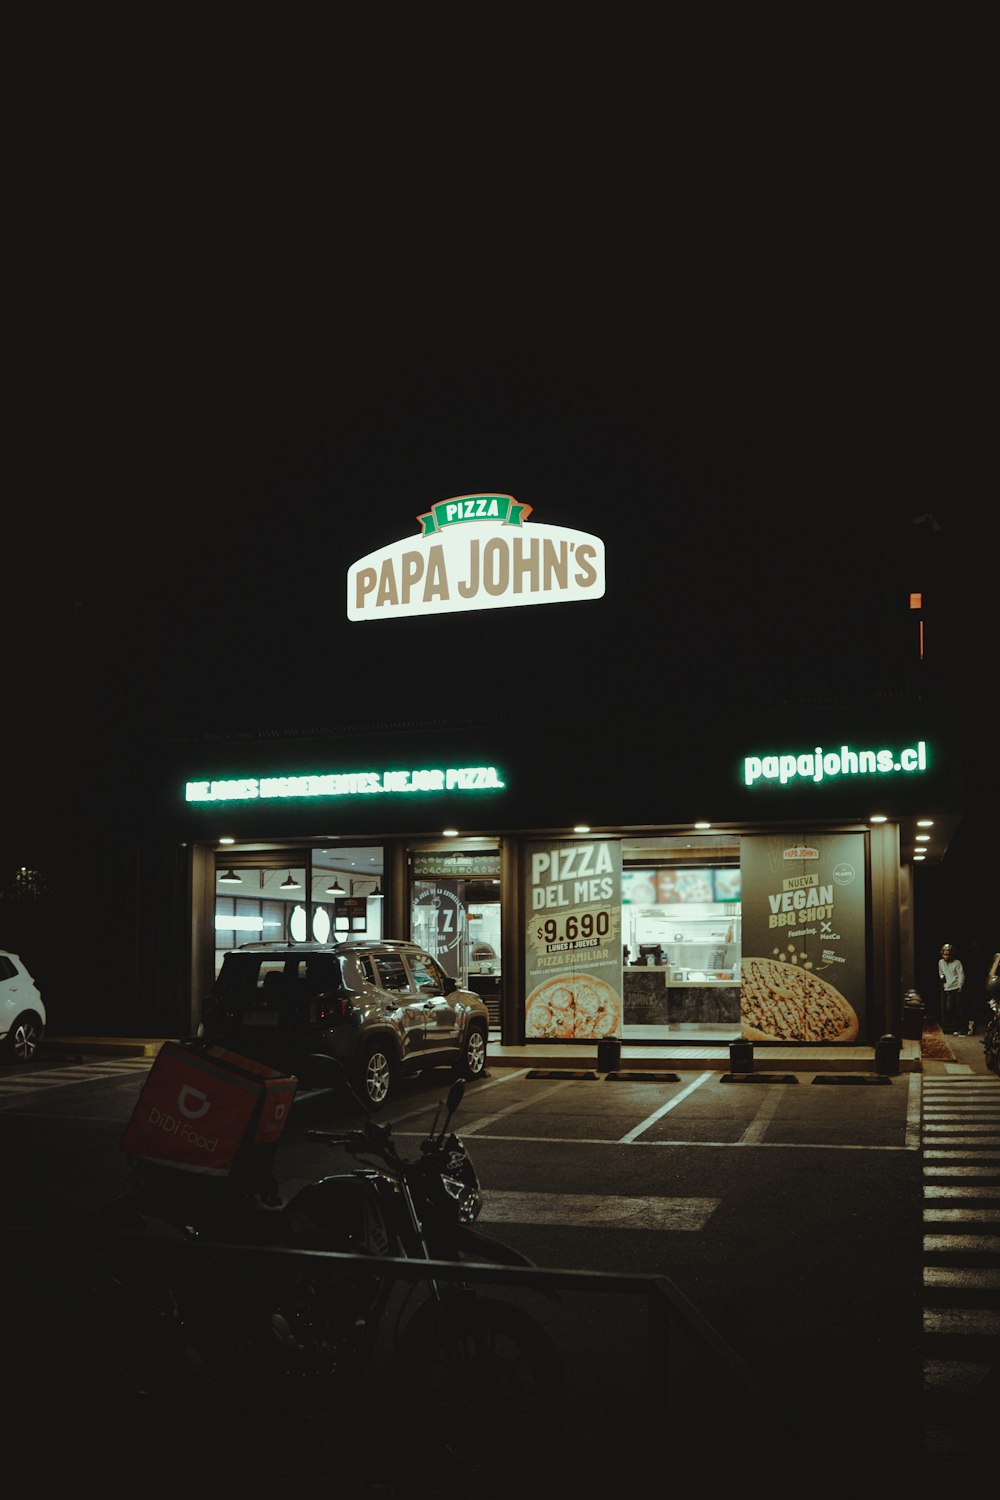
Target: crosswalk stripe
960, 1376
959, 1190
966, 1244
957, 1171
41, 1081
964, 1278
962, 1215
960, 1125
981, 1321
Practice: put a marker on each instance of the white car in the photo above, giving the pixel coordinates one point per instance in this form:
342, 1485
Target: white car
22, 1014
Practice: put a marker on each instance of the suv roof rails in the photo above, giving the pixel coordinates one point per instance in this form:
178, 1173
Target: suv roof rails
289, 947
374, 942
356, 942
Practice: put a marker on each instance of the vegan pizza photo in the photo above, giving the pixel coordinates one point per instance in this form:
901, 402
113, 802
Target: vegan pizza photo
785, 1002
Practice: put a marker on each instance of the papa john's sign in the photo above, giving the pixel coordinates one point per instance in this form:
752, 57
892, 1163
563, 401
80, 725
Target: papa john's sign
476, 552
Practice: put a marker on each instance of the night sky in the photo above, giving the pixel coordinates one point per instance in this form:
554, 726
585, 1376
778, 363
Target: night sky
743, 354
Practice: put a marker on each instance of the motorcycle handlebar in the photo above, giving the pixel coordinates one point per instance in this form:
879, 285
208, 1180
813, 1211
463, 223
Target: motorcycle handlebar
336, 1137
372, 1138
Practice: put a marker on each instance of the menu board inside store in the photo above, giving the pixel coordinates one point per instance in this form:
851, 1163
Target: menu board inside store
667, 887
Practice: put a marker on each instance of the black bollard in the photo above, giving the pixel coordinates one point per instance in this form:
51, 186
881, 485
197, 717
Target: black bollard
887, 1055
741, 1056
913, 1017
609, 1054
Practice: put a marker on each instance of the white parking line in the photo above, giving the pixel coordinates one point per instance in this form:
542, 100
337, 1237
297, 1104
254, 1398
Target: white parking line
757, 1129
665, 1109
512, 1109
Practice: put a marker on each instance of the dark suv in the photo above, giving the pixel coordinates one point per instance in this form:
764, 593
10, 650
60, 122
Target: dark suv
386, 1009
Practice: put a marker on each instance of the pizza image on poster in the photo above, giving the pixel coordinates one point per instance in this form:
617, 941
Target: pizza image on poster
789, 1002
573, 1005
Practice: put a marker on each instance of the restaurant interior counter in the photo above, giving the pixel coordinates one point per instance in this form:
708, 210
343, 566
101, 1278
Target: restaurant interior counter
657, 994
487, 987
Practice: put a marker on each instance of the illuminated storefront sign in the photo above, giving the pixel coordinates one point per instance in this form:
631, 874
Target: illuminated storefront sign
476, 552
347, 784
818, 764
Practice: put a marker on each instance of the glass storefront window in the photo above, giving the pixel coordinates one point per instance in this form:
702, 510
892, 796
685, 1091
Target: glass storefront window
274, 896
681, 938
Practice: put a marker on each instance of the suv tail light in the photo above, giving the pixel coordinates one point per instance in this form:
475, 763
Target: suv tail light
333, 1010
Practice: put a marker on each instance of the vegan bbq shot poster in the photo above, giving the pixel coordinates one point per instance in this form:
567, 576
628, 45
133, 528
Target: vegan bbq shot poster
573, 949
802, 970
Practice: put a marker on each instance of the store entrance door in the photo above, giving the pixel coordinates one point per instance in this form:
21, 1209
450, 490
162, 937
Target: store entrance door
458, 922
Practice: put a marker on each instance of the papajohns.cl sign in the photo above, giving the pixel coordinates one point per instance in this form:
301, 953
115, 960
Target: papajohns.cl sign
476, 552
814, 765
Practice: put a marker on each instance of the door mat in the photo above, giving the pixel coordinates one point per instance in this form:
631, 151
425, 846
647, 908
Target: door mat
934, 1043
561, 1073
852, 1078
629, 1077
759, 1078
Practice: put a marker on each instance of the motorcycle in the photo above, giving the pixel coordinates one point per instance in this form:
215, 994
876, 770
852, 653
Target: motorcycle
294, 1339
991, 1036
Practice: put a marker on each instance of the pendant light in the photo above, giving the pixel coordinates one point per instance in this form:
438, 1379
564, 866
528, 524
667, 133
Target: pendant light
290, 884
336, 889
230, 878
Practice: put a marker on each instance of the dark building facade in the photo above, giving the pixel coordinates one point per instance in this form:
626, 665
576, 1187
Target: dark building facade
680, 884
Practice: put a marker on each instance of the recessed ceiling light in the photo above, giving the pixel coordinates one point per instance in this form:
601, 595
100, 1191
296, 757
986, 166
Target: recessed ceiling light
923, 838
581, 827
919, 855
877, 818
703, 825
227, 841
450, 833
925, 822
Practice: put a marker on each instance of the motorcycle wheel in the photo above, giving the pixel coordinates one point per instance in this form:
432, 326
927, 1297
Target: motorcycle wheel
490, 1380
132, 1321
147, 1373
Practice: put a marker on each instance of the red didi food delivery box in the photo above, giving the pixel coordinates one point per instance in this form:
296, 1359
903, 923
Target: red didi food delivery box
201, 1107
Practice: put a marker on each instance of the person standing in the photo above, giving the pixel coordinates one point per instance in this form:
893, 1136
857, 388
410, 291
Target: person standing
952, 977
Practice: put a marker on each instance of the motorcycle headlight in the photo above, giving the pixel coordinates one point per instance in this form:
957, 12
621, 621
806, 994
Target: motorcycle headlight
467, 1197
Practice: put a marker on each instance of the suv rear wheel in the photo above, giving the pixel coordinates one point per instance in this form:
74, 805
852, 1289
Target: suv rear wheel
376, 1075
